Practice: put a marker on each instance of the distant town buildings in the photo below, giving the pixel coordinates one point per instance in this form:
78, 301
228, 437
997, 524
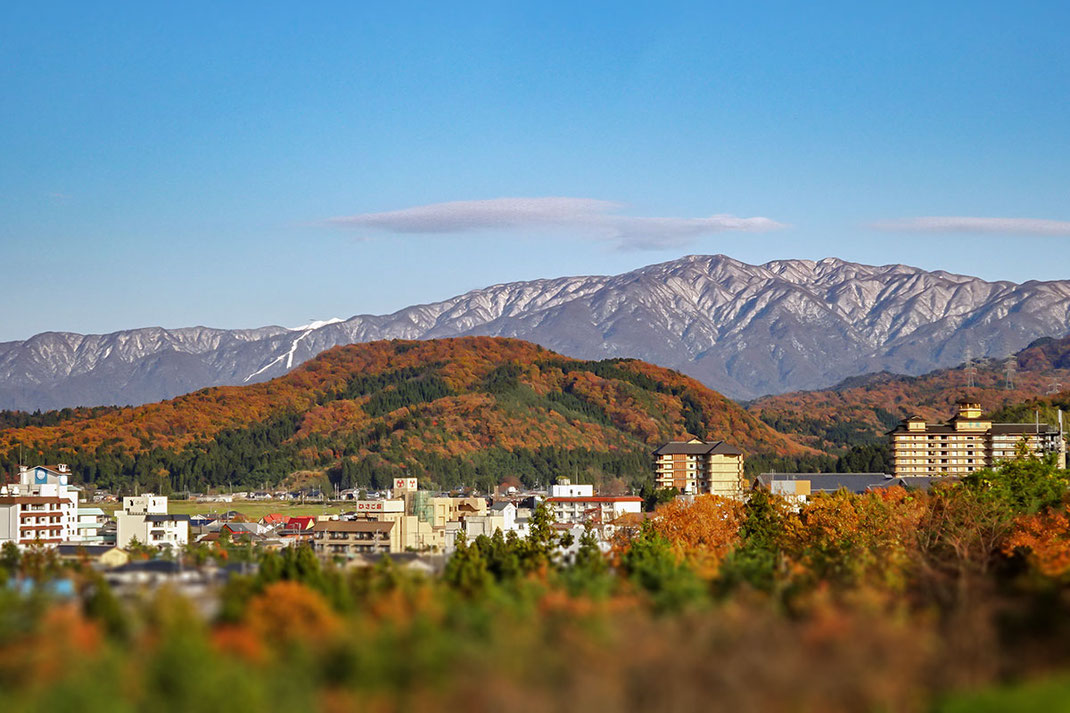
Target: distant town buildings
700, 468
967, 442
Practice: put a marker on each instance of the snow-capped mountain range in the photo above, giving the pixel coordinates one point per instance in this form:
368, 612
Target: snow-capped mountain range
744, 330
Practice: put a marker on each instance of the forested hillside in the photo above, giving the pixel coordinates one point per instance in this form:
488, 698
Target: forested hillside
860, 410
467, 411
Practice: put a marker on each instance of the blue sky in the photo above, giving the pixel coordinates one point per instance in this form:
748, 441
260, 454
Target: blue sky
181, 164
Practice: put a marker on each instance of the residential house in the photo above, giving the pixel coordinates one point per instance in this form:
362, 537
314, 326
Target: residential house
107, 556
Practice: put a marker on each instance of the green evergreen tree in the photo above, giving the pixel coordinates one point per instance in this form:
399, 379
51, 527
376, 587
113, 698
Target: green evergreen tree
651, 564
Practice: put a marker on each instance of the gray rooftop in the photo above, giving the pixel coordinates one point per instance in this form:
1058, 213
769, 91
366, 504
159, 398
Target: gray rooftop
160, 517
697, 449
853, 482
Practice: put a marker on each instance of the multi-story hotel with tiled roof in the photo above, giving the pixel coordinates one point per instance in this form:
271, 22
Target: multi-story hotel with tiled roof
966, 443
698, 468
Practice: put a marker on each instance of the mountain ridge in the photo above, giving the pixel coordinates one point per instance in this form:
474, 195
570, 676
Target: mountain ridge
745, 330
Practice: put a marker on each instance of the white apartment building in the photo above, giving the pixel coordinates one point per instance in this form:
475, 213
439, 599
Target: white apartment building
577, 504
565, 489
90, 525
145, 518
41, 508
593, 508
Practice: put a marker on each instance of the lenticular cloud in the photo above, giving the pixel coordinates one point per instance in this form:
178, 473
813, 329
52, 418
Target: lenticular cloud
584, 216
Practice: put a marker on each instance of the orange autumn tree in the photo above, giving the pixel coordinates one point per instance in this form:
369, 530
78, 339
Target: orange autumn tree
1045, 540
852, 539
701, 532
289, 613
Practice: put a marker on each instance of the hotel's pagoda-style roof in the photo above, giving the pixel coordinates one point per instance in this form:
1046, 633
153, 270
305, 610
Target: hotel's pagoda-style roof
697, 448
1023, 429
968, 417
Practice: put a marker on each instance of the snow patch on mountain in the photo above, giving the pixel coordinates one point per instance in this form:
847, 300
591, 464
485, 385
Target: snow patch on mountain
316, 324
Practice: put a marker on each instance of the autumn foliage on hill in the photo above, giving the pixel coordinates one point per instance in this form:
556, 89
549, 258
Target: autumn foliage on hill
863, 408
439, 406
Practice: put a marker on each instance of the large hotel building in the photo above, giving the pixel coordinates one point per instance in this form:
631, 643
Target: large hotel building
699, 468
966, 443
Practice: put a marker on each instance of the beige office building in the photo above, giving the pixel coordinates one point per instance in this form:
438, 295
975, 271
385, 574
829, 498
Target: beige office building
344, 539
967, 442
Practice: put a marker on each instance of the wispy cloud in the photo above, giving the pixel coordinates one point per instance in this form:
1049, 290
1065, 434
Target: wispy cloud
965, 224
582, 216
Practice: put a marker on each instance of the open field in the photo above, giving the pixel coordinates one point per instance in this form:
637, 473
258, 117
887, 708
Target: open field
251, 509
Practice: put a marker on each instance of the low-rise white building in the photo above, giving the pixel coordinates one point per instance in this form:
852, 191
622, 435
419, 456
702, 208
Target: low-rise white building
145, 518
594, 508
564, 488
90, 525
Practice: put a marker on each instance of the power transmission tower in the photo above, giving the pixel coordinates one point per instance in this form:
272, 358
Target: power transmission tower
1010, 368
971, 370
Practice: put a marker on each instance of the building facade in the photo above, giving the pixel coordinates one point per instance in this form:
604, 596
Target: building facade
145, 518
41, 508
90, 525
700, 468
967, 442
346, 539
564, 488
593, 508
